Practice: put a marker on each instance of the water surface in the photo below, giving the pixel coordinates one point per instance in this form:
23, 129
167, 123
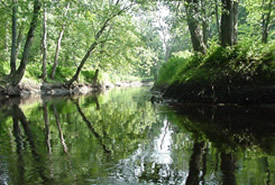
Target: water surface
120, 137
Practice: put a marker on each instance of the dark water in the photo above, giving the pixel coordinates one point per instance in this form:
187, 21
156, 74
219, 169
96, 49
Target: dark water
121, 138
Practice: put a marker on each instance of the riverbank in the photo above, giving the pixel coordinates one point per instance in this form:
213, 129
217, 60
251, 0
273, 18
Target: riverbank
239, 75
30, 87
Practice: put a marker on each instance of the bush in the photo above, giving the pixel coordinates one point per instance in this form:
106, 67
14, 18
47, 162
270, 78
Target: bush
169, 69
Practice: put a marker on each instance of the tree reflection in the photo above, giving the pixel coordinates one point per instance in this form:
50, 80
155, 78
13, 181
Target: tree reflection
204, 164
47, 128
228, 168
91, 128
195, 164
61, 135
267, 170
19, 144
18, 115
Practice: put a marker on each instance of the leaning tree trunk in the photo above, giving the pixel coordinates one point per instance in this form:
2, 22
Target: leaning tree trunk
229, 23
194, 26
58, 45
18, 75
14, 37
44, 45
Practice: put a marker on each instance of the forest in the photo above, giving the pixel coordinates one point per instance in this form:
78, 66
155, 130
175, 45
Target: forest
207, 46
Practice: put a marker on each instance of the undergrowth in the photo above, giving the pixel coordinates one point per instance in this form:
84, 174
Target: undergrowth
246, 62
64, 73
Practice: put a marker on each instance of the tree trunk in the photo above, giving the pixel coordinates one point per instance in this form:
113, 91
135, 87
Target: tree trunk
235, 13
229, 23
95, 77
14, 37
194, 26
44, 45
6, 42
19, 40
58, 45
18, 75
217, 19
266, 21
205, 25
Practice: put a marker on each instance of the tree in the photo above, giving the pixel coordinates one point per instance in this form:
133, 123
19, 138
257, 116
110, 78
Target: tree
96, 41
14, 37
229, 23
217, 19
18, 75
192, 13
259, 18
44, 45
266, 20
58, 45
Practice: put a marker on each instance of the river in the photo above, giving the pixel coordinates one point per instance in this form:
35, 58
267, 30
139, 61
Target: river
121, 138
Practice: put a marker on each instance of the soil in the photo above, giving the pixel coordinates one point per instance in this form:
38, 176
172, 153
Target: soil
220, 93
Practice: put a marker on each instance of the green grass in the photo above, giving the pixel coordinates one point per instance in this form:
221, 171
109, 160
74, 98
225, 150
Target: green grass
245, 62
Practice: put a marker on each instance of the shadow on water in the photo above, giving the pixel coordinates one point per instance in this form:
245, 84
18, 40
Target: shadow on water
121, 138
240, 136
232, 126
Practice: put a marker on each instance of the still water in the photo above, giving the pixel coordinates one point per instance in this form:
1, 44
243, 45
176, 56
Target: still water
121, 138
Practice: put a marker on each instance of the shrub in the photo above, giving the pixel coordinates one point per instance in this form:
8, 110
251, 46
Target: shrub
168, 70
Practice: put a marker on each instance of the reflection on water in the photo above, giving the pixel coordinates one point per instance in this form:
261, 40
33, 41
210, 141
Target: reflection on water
162, 152
121, 138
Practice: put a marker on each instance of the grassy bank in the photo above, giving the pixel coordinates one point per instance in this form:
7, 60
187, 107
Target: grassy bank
232, 75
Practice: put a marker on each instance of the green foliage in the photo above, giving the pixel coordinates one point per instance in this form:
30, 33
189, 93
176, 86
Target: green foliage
88, 75
4, 68
247, 62
168, 70
33, 71
63, 73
